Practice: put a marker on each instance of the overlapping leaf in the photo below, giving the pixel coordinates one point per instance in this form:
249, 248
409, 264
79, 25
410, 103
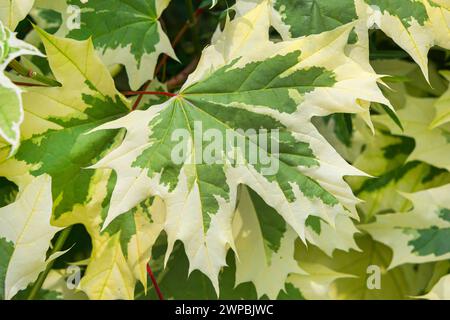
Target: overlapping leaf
406, 79
54, 142
25, 235
385, 158
403, 160
354, 275
244, 81
121, 253
414, 25
431, 144
11, 110
420, 235
294, 19
124, 32
265, 243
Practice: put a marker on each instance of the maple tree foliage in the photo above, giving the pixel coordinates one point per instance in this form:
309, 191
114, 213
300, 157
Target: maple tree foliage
327, 128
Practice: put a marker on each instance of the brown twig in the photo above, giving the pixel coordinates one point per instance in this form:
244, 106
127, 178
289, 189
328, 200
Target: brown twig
181, 78
143, 93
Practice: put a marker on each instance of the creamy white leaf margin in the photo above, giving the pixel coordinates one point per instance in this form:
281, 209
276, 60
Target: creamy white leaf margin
397, 230
267, 271
11, 109
26, 223
324, 50
340, 236
416, 39
432, 145
141, 243
316, 283
247, 38
138, 73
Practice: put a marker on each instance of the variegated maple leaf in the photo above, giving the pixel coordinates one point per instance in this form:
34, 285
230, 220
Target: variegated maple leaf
432, 145
25, 237
420, 235
265, 243
11, 109
350, 275
124, 32
293, 19
121, 252
415, 25
55, 143
385, 157
264, 246
244, 81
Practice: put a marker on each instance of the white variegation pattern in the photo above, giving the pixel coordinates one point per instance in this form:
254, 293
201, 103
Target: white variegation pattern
247, 38
399, 230
26, 224
11, 107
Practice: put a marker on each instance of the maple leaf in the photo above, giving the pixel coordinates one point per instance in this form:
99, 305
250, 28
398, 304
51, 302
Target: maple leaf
25, 237
265, 243
11, 109
350, 275
256, 169
264, 246
386, 158
419, 235
54, 142
431, 144
55, 287
124, 32
293, 19
244, 81
415, 26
